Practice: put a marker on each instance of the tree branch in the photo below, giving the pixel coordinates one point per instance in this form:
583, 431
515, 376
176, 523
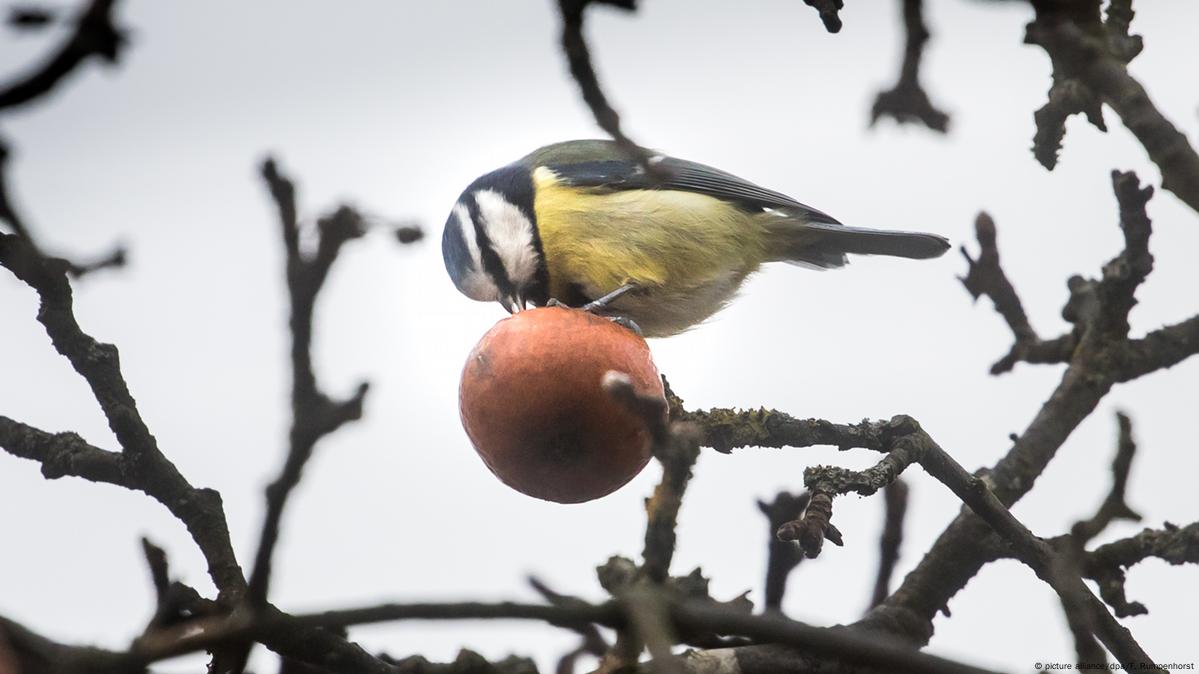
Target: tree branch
26, 652
907, 101
1106, 564
828, 10
783, 556
314, 414
896, 499
578, 56
1114, 506
8, 213
1160, 349
1099, 310
985, 276
1090, 60
843, 645
95, 35
726, 429
141, 465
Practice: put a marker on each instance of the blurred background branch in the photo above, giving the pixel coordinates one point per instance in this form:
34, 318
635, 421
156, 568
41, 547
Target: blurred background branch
650, 610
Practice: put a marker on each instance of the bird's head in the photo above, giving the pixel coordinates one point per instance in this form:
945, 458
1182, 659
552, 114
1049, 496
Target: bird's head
490, 245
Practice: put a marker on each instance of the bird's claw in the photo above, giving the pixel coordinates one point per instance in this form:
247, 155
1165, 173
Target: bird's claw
603, 302
598, 308
627, 323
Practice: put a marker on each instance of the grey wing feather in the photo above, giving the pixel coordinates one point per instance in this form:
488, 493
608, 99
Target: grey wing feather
602, 164
695, 177
575, 152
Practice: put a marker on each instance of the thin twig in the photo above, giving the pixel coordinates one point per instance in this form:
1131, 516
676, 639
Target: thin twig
828, 13
593, 643
140, 465
574, 45
985, 276
95, 35
783, 556
314, 414
8, 214
843, 645
1068, 563
1099, 309
1090, 66
907, 101
676, 446
1107, 564
1114, 507
896, 500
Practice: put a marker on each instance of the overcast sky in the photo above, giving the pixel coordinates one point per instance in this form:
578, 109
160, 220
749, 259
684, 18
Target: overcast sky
394, 107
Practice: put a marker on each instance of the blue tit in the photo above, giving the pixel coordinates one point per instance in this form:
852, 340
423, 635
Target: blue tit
580, 221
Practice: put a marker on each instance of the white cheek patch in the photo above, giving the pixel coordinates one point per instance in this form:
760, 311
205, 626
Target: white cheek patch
476, 284
468, 234
511, 235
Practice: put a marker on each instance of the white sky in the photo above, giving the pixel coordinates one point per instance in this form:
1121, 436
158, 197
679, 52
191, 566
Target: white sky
395, 107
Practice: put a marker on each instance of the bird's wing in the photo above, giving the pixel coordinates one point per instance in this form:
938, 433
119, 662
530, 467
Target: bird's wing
601, 164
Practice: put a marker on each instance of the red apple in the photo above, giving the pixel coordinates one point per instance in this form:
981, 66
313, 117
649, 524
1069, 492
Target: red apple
532, 403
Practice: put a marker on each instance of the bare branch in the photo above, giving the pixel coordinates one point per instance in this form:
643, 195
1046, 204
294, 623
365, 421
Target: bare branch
27, 652
896, 499
906, 443
676, 446
727, 429
783, 556
466, 662
30, 17
574, 45
1038, 555
8, 213
1107, 563
63, 454
1113, 507
1160, 349
907, 101
648, 611
843, 645
1068, 564
1090, 60
1128, 270
828, 13
985, 276
314, 414
1099, 310
156, 559
141, 465
406, 234
1066, 97
593, 643
95, 35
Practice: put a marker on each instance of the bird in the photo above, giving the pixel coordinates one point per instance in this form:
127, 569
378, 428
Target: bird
582, 223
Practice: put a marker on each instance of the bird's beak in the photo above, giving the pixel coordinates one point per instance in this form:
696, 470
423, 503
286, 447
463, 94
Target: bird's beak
513, 303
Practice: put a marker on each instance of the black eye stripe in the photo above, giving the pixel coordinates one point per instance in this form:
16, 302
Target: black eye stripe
514, 183
491, 260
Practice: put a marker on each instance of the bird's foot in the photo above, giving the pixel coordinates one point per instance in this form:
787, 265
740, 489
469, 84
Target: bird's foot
602, 303
627, 323
600, 308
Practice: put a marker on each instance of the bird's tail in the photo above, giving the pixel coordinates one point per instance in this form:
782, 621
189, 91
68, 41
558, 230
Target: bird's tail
824, 245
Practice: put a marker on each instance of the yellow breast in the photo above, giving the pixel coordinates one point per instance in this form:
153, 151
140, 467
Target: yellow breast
665, 240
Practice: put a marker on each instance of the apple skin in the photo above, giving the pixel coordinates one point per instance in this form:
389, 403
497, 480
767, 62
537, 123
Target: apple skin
532, 404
